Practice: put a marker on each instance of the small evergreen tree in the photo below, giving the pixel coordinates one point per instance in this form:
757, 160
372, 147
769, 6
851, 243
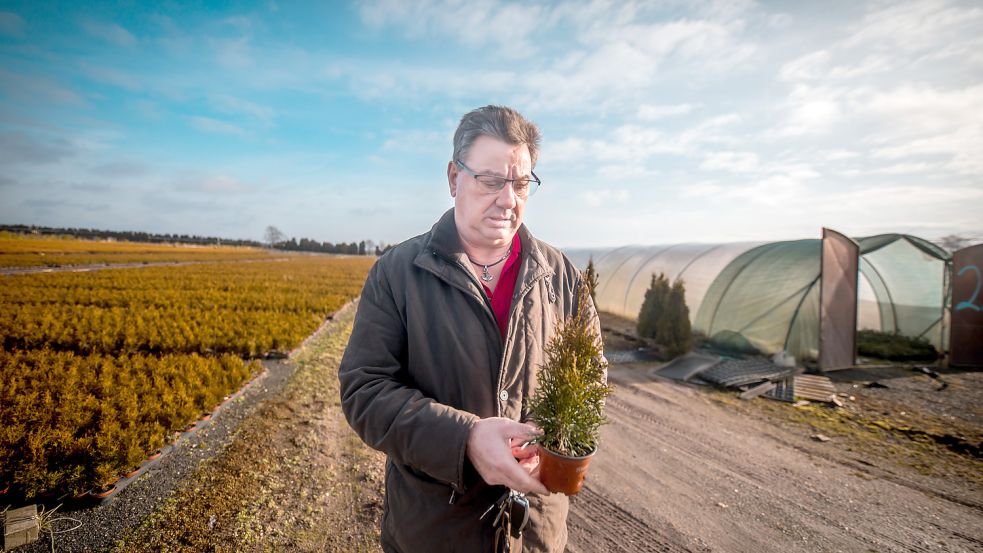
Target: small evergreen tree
664, 316
676, 332
653, 307
569, 403
590, 277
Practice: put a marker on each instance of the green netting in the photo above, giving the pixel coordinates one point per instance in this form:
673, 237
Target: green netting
761, 294
768, 294
910, 289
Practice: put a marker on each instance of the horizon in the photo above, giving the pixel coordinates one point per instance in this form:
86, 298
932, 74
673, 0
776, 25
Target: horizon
701, 122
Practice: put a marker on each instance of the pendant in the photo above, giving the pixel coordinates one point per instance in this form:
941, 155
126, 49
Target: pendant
485, 276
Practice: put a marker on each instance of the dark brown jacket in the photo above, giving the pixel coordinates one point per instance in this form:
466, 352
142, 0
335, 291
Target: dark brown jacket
425, 361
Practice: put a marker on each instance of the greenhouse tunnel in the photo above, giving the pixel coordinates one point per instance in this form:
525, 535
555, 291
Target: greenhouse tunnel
767, 293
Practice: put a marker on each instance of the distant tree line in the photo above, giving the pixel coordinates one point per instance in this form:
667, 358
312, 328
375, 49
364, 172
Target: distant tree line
275, 239
307, 245
272, 238
128, 235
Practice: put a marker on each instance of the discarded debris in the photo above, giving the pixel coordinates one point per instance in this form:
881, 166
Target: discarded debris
783, 359
758, 390
820, 437
20, 527
722, 505
801, 403
815, 387
734, 373
932, 374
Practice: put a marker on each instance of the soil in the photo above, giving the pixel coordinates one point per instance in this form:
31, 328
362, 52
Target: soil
681, 468
687, 468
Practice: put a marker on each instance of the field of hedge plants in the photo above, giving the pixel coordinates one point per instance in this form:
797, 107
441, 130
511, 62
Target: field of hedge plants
17, 250
99, 369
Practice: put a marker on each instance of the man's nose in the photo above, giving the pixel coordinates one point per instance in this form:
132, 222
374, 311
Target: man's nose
507, 197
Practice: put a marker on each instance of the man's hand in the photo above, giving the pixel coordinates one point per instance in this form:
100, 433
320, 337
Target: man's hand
494, 445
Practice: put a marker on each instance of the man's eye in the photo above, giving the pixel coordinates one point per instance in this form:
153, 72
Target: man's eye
492, 182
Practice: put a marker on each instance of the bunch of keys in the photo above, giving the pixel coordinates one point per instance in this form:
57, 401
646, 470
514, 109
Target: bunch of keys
513, 514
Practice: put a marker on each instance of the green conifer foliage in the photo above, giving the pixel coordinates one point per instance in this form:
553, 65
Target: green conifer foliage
653, 307
590, 278
664, 316
569, 402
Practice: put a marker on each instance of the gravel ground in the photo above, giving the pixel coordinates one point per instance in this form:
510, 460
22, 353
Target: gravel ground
683, 468
102, 525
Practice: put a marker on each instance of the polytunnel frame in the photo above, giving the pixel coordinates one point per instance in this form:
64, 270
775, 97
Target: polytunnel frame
638, 271
884, 298
678, 276
881, 241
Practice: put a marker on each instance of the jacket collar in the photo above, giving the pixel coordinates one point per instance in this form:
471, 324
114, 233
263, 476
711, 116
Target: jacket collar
445, 242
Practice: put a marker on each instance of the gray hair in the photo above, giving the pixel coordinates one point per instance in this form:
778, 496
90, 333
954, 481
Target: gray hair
501, 122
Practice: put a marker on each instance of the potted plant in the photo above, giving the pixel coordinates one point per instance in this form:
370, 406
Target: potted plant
568, 404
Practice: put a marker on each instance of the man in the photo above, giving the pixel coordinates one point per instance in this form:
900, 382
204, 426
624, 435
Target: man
443, 355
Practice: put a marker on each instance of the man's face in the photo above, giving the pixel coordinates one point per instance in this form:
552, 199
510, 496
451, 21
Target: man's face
483, 219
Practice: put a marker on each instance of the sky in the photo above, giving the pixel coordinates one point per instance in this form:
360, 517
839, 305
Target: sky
662, 121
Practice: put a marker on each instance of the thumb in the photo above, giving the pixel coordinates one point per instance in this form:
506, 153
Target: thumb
523, 430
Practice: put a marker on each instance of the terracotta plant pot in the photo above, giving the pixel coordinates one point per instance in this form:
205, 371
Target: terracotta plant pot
155, 455
104, 492
561, 473
131, 473
205, 417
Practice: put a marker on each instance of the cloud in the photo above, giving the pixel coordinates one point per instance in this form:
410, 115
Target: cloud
654, 112
112, 76
34, 89
914, 26
212, 184
812, 110
233, 53
19, 148
110, 32
507, 26
207, 124
118, 169
231, 105
11, 24
47, 205
589, 56
604, 196
736, 162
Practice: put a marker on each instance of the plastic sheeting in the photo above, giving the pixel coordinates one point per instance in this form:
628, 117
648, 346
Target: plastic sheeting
768, 293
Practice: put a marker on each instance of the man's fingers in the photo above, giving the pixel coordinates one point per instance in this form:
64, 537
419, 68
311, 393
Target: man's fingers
520, 481
523, 431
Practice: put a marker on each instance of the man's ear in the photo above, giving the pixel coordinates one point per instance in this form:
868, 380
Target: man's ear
452, 178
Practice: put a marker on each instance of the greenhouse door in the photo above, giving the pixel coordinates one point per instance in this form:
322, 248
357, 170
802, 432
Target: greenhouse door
966, 332
838, 301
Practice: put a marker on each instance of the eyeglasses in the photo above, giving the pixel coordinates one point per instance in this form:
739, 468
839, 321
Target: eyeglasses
491, 184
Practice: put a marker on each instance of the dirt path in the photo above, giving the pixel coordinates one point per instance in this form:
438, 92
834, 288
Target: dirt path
294, 478
680, 471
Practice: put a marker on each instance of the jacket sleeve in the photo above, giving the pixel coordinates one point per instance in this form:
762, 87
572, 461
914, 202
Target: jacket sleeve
387, 413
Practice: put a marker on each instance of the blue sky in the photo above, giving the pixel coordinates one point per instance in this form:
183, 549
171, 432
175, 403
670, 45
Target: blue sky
663, 122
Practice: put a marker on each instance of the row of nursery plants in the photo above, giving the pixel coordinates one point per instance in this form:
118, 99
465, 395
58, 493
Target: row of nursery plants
32, 251
245, 308
71, 422
100, 369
